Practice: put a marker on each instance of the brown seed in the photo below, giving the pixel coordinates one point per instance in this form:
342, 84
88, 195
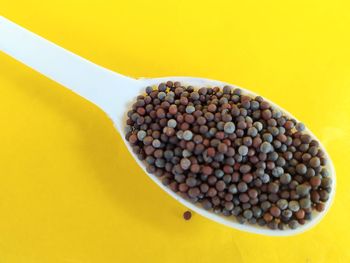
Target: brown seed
270, 165
165, 105
184, 101
253, 193
315, 162
169, 131
305, 138
204, 188
180, 118
212, 180
228, 169
215, 200
320, 207
275, 211
195, 168
226, 141
315, 181
187, 215
266, 114
211, 151
235, 177
212, 108
264, 105
306, 157
149, 150
183, 187
169, 83
242, 187
160, 113
201, 120
235, 111
173, 185
189, 118
207, 170
190, 146
133, 138
222, 148
257, 142
212, 192
242, 125
273, 198
228, 197
293, 195
273, 188
289, 125
285, 195
323, 195
220, 185
248, 178
177, 84
244, 198
301, 221
300, 214
197, 113
141, 111
315, 197
194, 192
158, 153
198, 139
245, 168
282, 138
267, 217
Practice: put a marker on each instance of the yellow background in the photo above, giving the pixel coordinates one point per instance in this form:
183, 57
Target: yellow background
69, 190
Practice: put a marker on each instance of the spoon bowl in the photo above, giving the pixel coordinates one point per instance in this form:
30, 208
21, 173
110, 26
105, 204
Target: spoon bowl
114, 94
228, 221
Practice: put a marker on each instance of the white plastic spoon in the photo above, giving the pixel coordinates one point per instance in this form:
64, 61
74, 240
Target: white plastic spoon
114, 93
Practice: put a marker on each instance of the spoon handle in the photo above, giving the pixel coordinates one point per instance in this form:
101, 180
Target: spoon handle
101, 86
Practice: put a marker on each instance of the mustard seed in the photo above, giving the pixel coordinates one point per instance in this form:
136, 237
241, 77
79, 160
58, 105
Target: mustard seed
187, 215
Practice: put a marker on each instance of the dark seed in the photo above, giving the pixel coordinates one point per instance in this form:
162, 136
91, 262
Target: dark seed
265, 147
315, 162
187, 215
303, 189
275, 211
